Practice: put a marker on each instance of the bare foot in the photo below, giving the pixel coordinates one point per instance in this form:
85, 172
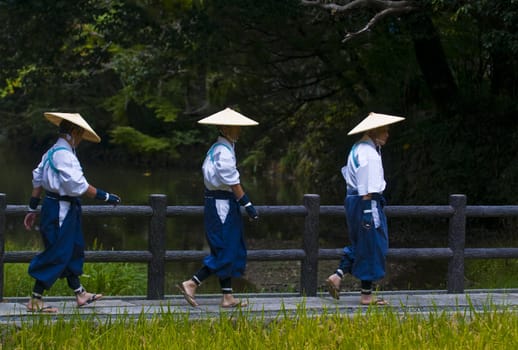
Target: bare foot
85, 298
188, 289
229, 301
37, 305
367, 299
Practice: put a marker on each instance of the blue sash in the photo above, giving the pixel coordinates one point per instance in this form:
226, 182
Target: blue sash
50, 155
210, 152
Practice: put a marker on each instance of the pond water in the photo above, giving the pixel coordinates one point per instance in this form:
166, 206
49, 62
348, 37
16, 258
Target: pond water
185, 187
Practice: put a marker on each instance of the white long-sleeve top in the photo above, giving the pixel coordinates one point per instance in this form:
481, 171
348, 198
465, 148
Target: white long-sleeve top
66, 178
364, 171
219, 167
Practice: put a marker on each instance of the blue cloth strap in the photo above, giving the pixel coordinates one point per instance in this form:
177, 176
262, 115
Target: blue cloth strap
210, 153
354, 155
50, 154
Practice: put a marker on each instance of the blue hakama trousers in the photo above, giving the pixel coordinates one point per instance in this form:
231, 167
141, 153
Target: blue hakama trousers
365, 257
226, 240
64, 245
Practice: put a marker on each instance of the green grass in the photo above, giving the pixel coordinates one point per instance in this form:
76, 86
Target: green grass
494, 273
376, 329
106, 278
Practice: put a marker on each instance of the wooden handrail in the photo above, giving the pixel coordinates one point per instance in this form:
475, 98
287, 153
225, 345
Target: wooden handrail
309, 254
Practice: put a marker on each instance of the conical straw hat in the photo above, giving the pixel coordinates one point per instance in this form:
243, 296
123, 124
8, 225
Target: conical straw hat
75, 118
228, 117
373, 121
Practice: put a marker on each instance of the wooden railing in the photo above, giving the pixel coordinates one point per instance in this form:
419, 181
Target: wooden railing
309, 254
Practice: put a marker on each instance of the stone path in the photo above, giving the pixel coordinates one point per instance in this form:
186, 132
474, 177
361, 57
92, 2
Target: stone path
12, 310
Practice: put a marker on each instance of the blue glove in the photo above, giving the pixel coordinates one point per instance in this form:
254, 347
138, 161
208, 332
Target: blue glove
113, 199
109, 198
250, 210
367, 220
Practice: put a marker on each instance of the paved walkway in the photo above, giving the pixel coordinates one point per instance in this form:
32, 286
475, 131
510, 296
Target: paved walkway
269, 305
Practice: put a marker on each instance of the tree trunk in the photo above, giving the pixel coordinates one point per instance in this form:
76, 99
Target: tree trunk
432, 61
503, 74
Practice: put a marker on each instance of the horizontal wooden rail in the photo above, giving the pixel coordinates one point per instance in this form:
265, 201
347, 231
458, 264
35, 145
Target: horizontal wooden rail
491, 211
94, 210
156, 256
491, 253
396, 253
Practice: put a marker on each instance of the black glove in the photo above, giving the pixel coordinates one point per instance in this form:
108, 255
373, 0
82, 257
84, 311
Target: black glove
367, 220
109, 198
250, 210
33, 204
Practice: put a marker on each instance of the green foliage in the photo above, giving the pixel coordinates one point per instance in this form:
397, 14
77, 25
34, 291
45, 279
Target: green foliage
119, 57
11, 84
257, 159
136, 140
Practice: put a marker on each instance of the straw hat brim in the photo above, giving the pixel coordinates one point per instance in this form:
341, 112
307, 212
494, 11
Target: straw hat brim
373, 121
75, 118
228, 117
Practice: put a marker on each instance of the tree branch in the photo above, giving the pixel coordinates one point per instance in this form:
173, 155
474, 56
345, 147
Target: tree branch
377, 17
355, 4
384, 8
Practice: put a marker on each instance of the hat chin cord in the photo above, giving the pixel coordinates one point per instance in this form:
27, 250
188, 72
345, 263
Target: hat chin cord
378, 142
71, 141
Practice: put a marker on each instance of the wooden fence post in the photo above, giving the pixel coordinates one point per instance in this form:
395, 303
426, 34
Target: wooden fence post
157, 245
457, 243
309, 267
3, 206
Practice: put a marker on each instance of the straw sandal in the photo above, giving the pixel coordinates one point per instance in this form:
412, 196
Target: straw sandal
188, 297
236, 303
375, 301
91, 299
333, 290
33, 306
